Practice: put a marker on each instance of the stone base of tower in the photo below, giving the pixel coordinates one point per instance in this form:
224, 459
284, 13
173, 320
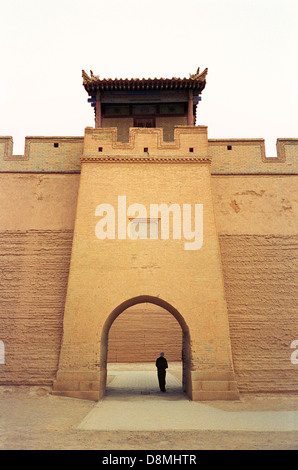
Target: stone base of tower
209, 386
83, 385
204, 386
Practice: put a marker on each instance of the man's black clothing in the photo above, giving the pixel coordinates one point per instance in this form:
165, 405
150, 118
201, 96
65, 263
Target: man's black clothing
162, 365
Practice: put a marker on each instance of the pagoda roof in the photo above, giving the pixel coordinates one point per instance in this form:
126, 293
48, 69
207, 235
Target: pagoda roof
94, 83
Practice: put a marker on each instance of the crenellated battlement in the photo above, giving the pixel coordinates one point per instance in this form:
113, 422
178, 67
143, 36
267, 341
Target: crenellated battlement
228, 156
189, 143
248, 156
42, 154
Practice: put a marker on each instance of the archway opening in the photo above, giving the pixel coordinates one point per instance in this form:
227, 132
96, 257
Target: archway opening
141, 332
133, 336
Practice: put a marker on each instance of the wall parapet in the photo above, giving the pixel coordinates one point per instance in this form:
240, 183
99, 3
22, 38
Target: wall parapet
248, 156
189, 141
42, 154
229, 156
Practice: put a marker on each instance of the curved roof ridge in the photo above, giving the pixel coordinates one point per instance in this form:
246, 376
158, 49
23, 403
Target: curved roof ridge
94, 82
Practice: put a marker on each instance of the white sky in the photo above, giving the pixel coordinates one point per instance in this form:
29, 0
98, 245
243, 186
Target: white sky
249, 47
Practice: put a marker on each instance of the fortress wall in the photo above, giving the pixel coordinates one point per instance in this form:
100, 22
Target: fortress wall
34, 274
256, 219
38, 201
255, 201
257, 223
36, 230
247, 156
260, 275
41, 154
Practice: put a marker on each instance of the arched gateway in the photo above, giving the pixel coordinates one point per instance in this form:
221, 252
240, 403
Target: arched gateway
145, 229
186, 351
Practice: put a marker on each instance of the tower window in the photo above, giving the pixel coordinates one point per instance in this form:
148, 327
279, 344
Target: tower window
100, 149
56, 145
144, 122
191, 149
145, 149
229, 147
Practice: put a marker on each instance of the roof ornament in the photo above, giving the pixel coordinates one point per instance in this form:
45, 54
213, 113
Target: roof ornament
94, 77
198, 76
93, 82
87, 79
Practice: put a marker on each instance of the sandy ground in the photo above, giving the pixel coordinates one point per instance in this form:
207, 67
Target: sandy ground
32, 418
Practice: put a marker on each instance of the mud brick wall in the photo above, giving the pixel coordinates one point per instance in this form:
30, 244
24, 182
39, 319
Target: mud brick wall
260, 274
36, 231
34, 273
229, 156
248, 156
256, 218
53, 154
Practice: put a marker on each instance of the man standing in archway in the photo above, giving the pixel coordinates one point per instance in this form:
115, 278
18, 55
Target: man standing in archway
162, 365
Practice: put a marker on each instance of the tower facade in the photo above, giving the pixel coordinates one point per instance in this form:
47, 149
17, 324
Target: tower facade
145, 233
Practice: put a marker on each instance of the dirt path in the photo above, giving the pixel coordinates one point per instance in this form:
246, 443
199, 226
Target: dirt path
32, 418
